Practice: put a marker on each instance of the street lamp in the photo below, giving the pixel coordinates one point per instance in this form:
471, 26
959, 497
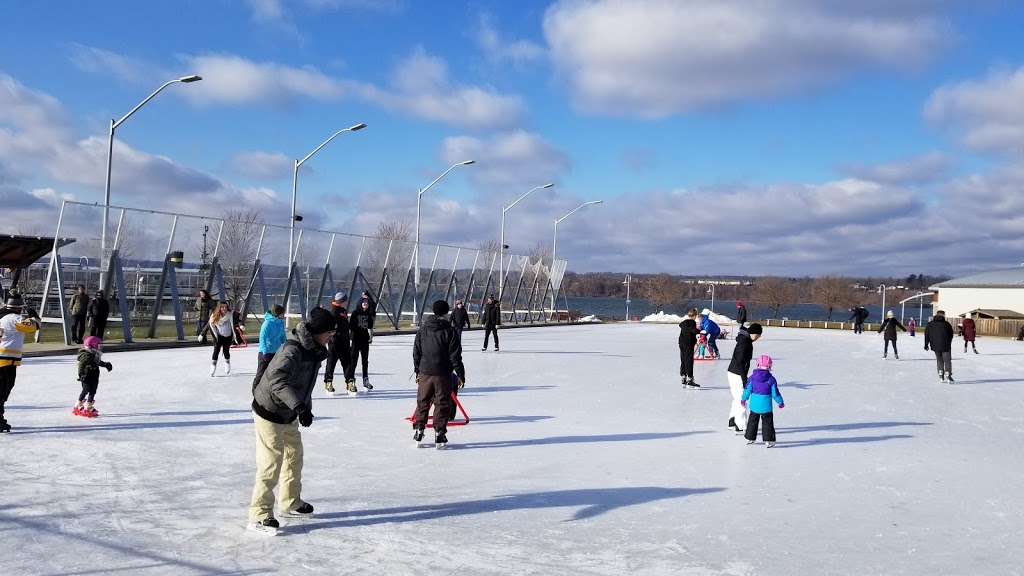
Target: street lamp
110, 154
295, 182
881, 289
501, 247
554, 243
626, 282
712, 291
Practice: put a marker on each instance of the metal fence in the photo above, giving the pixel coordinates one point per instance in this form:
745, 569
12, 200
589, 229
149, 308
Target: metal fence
156, 262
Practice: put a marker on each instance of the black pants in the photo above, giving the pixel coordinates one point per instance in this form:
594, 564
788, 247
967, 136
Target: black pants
858, 327
767, 434
944, 361
90, 384
98, 328
7, 376
360, 347
222, 343
77, 328
201, 327
339, 350
263, 360
972, 344
436, 389
455, 392
686, 361
894, 350
488, 330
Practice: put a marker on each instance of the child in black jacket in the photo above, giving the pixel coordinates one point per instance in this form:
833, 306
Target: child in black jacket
90, 360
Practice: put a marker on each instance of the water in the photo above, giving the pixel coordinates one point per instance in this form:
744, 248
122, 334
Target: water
616, 308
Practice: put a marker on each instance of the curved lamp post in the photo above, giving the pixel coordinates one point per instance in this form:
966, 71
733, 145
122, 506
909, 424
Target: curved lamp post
712, 290
501, 247
554, 243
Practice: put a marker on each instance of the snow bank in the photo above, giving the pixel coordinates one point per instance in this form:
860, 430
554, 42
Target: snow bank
675, 319
591, 318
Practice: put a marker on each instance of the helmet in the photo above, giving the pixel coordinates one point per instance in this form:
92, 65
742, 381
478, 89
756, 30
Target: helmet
92, 342
764, 361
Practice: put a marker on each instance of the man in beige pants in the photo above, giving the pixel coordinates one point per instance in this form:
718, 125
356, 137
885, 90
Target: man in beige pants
283, 400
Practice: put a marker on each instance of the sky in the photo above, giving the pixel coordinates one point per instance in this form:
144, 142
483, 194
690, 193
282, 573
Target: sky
788, 137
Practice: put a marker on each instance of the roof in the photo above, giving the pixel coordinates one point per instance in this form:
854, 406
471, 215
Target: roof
20, 251
1008, 278
997, 314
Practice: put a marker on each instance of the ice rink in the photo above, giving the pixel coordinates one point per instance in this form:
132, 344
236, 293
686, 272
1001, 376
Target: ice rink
584, 456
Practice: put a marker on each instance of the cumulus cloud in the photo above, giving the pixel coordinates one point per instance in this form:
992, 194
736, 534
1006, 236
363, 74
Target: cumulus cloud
500, 51
930, 167
654, 58
986, 113
259, 165
516, 159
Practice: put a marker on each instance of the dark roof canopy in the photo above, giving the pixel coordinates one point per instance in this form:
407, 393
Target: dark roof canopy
996, 314
21, 251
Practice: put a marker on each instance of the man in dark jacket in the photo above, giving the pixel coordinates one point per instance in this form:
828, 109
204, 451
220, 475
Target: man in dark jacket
741, 314
99, 310
460, 318
739, 369
938, 335
78, 307
339, 347
282, 401
204, 306
491, 321
361, 325
436, 354
687, 341
860, 314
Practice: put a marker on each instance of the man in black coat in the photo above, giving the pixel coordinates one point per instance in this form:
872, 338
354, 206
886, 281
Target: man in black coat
460, 318
741, 314
938, 335
436, 355
99, 310
687, 341
361, 325
860, 314
491, 321
339, 346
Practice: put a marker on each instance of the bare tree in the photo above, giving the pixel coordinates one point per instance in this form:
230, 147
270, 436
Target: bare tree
237, 251
831, 292
390, 243
774, 293
661, 290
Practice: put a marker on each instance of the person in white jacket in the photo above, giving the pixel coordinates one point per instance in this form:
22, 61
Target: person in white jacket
16, 320
223, 331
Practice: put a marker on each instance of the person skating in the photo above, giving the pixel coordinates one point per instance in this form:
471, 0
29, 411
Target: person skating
760, 390
272, 337
969, 331
460, 318
78, 307
860, 314
709, 327
889, 327
16, 320
911, 327
938, 335
361, 324
222, 330
741, 314
283, 400
339, 346
739, 368
491, 321
90, 360
436, 355
205, 306
99, 311
687, 341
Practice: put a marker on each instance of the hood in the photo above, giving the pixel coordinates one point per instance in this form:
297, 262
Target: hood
268, 317
743, 332
304, 336
688, 322
435, 324
760, 375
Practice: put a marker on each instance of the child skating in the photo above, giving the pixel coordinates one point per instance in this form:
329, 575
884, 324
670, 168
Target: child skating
90, 360
760, 390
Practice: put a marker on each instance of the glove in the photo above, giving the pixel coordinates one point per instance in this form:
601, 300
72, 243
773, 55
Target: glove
305, 416
199, 338
782, 406
462, 383
417, 378
33, 314
242, 327
108, 366
744, 403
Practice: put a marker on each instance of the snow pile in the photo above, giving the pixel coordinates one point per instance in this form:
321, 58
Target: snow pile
591, 318
675, 319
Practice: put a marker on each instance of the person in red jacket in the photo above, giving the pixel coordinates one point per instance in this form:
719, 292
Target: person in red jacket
968, 332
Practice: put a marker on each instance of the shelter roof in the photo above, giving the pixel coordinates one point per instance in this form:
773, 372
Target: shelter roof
1008, 278
20, 251
996, 314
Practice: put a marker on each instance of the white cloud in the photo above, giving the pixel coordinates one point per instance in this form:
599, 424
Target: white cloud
107, 63
987, 113
230, 79
930, 167
499, 51
511, 159
259, 165
653, 58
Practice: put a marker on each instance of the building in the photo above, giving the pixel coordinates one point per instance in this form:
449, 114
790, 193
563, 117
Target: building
995, 290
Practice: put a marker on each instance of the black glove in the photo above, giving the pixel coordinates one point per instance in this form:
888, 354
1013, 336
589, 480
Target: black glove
31, 313
108, 366
305, 416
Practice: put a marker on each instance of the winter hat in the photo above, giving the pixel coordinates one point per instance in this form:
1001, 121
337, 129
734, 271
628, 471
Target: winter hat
764, 362
321, 321
440, 308
341, 297
890, 314
754, 328
738, 303
15, 301
276, 310
706, 312
92, 342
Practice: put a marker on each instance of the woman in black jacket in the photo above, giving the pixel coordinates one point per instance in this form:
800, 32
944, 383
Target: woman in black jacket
687, 340
889, 326
99, 310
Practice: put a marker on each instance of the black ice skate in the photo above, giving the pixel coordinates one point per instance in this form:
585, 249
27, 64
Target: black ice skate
267, 526
949, 377
304, 511
417, 436
440, 440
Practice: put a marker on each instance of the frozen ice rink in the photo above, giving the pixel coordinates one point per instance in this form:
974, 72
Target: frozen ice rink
583, 456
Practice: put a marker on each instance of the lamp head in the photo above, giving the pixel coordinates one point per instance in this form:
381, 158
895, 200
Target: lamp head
468, 162
548, 185
357, 127
192, 78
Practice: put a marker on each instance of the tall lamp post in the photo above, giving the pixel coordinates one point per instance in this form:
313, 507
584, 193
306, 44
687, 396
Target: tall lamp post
712, 291
881, 289
626, 282
554, 241
501, 247
110, 155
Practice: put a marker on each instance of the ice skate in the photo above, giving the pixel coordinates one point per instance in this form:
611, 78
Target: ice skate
885, 354
949, 377
440, 441
213, 369
78, 410
329, 387
897, 356
351, 386
4, 427
942, 376
227, 366
749, 442
304, 511
692, 384
483, 349
975, 350
685, 381
267, 527
89, 411
417, 436
770, 445
366, 384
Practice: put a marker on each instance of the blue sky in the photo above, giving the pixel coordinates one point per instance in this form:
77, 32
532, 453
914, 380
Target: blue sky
791, 137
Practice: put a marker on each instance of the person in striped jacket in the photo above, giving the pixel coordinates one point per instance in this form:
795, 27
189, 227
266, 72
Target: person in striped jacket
15, 322
761, 389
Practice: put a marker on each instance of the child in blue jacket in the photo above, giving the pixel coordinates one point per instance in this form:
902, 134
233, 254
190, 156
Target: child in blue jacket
761, 389
272, 337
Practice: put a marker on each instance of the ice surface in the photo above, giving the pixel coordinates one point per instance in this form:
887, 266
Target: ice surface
583, 456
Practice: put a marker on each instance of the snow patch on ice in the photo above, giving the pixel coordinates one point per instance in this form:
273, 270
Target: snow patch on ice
661, 317
591, 318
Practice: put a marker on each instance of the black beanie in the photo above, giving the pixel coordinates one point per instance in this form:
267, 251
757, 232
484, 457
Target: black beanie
441, 308
754, 328
321, 321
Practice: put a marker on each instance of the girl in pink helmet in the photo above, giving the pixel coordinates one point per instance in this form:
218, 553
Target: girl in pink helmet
90, 360
761, 389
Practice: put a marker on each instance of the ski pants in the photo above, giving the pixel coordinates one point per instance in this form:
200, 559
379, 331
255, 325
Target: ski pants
767, 434
686, 361
278, 461
944, 361
894, 350
711, 344
7, 376
261, 366
339, 350
99, 327
78, 328
360, 347
90, 384
436, 389
488, 330
737, 412
222, 343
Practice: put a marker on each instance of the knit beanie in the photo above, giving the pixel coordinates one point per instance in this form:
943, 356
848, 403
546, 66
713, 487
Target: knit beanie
341, 297
321, 321
440, 308
754, 328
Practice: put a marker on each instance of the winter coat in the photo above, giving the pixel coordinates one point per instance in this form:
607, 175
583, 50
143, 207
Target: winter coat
437, 350
492, 315
272, 335
969, 329
288, 383
708, 325
938, 335
89, 363
341, 330
741, 314
860, 314
79, 304
205, 307
13, 327
889, 326
360, 322
99, 309
222, 327
687, 334
760, 390
460, 318
741, 354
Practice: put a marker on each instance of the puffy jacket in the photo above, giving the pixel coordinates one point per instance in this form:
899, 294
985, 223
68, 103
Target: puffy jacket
969, 329
13, 327
460, 318
272, 334
492, 315
938, 335
99, 308
760, 390
89, 362
708, 325
290, 378
205, 307
741, 354
889, 326
79, 304
437, 350
687, 334
741, 314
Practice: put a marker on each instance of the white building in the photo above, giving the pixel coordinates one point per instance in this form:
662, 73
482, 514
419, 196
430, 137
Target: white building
999, 290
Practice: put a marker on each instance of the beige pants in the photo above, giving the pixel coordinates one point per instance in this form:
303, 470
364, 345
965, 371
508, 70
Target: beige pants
278, 457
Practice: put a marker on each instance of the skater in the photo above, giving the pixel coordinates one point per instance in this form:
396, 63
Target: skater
938, 335
860, 314
1020, 334
491, 321
687, 343
78, 307
16, 320
436, 355
889, 327
272, 337
361, 324
238, 334
741, 314
282, 401
90, 360
99, 310
911, 326
969, 330
708, 326
701, 350
221, 328
761, 389
460, 318
339, 346
739, 367
205, 306
371, 308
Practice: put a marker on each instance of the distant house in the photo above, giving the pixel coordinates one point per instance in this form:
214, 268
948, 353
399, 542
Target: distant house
1001, 290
